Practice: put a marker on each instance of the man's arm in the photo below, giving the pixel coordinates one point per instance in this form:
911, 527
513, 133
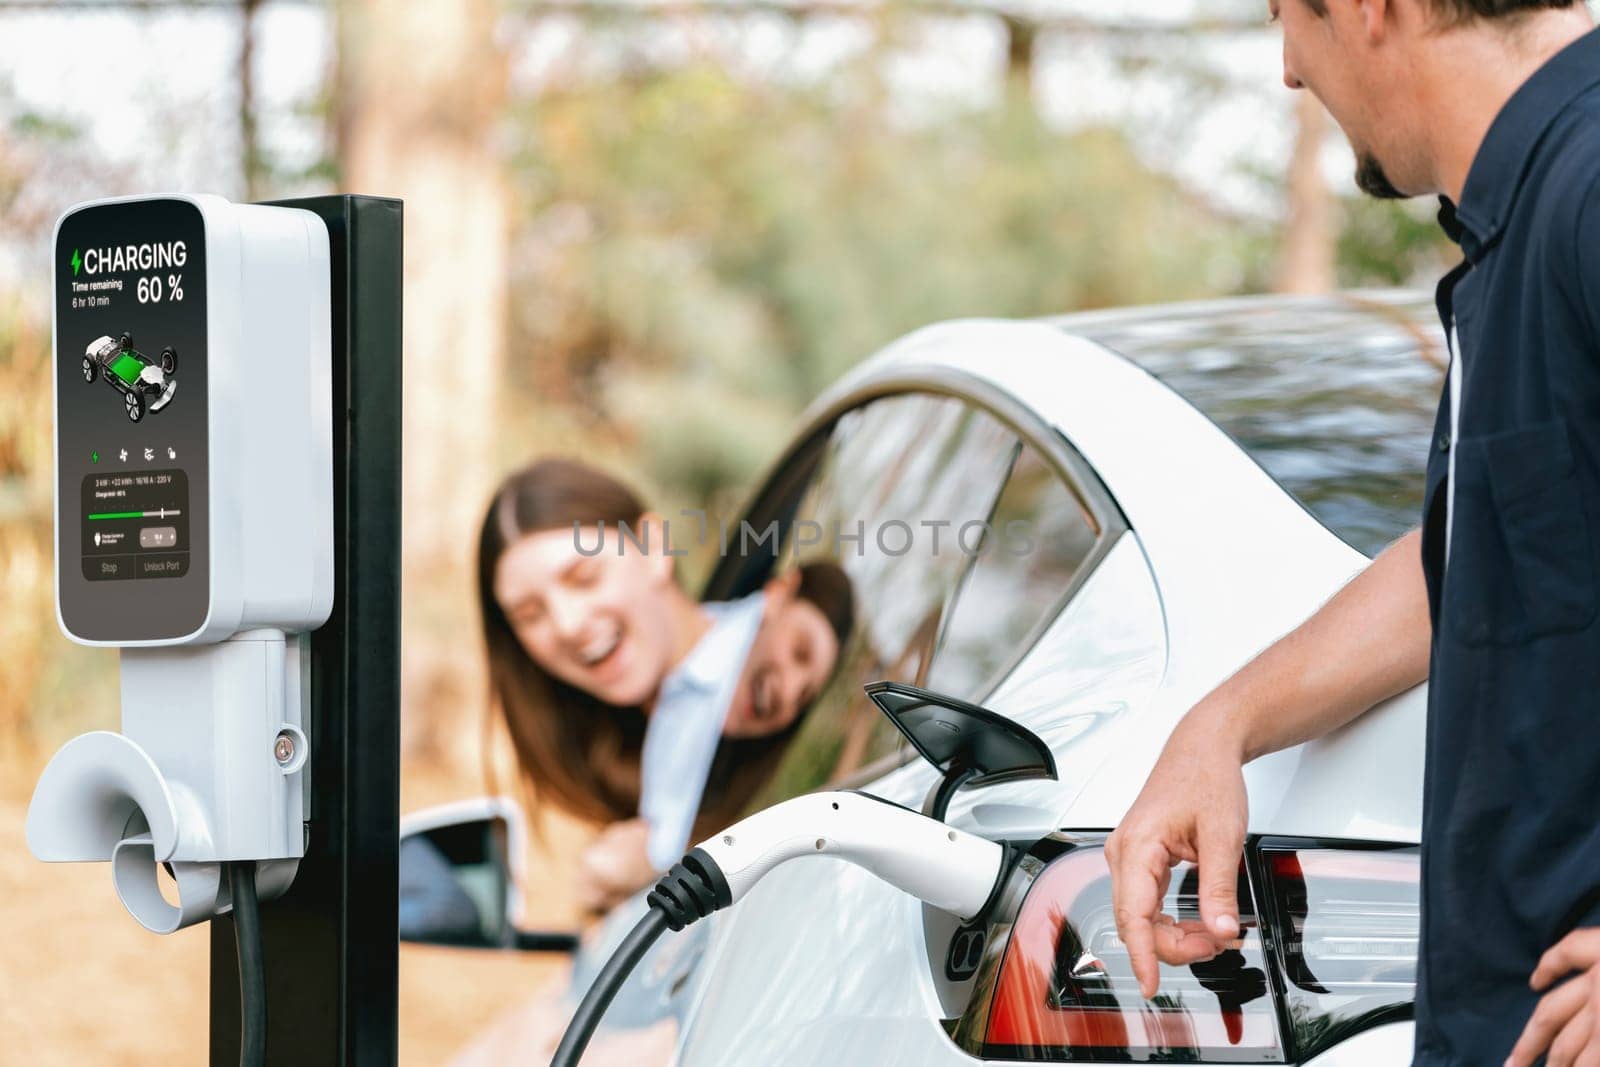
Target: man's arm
1368, 643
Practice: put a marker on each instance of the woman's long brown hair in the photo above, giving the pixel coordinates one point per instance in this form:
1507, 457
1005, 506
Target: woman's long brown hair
573, 749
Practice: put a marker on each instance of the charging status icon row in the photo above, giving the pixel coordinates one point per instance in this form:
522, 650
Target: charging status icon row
150, 454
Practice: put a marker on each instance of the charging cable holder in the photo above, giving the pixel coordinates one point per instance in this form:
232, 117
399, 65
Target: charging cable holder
210, 766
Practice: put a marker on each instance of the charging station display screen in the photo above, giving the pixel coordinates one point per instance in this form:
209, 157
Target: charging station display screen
131, 433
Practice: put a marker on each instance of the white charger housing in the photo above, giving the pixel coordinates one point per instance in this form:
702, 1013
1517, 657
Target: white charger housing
249, 428
194, 530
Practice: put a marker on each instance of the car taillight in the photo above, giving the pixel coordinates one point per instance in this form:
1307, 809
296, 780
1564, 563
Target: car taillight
1344, 923
1333, 952
1065, 991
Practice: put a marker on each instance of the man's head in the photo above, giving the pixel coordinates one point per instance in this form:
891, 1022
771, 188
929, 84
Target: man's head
1375, 65
805, 622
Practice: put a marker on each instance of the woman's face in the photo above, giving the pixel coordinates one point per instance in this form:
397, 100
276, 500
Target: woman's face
600, 622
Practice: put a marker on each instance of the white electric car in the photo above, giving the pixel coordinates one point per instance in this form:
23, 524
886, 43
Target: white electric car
1180, 485
1083, 525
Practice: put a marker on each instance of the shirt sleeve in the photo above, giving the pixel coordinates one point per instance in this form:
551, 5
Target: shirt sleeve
670, 821
664, 804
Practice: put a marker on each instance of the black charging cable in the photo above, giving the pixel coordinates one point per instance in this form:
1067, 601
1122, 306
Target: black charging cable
252, 965
606, 985
691, 890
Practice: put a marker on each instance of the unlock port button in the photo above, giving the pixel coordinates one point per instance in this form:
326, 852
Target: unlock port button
163, 565
158, 537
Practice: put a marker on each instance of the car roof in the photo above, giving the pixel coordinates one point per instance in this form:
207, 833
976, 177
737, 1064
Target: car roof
1334, 396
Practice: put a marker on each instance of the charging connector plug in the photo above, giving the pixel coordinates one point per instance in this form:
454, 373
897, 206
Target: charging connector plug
950, 869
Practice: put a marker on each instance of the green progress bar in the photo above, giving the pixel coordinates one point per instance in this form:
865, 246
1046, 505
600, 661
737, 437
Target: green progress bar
165, 513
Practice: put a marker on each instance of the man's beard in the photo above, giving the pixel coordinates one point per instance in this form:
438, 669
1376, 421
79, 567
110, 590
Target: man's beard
1371, 179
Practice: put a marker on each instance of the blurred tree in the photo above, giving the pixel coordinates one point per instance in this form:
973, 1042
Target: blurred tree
1389, 242
421, 93
703, 255
251, 163
48, 687
1022, 44
1307, 263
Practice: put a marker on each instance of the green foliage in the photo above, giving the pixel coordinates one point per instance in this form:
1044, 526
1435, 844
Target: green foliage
703, 256
48, 688
1389, 242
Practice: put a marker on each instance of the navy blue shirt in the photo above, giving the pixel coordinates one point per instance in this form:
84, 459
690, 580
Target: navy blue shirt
1511, 810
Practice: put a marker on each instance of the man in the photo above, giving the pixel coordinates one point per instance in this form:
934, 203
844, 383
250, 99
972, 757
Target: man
1495, 104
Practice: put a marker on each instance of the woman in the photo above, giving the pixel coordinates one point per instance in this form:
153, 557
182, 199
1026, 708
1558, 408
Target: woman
606, 673
586, 628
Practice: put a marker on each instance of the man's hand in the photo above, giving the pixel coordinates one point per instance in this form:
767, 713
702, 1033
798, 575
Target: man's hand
616, 866
1567, 1019
1193, 809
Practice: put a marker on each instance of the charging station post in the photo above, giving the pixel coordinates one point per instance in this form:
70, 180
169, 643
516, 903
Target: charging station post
331, 942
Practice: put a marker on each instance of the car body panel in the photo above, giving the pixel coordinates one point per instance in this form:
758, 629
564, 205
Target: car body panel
1392, 1043
835, 987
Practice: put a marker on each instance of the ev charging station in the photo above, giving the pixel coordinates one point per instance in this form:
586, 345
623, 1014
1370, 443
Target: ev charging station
227, 406
227, 447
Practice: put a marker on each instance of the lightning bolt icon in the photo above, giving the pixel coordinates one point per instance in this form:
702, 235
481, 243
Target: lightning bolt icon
77, 261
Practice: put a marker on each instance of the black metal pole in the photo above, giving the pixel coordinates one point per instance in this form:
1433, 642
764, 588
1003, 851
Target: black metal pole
331, 943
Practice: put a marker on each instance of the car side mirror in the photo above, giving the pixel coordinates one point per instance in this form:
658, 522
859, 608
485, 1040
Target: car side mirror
457, 885
460, 868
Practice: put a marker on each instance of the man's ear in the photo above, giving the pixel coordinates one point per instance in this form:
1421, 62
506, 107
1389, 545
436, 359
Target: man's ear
783, 587
1375, 15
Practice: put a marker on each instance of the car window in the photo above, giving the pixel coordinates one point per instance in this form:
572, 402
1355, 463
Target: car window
1335, 399
1039, 538
959, 541
895, 477
902, 476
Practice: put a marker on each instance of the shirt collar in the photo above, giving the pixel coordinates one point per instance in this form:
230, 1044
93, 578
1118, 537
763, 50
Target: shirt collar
707, 664
1499, 168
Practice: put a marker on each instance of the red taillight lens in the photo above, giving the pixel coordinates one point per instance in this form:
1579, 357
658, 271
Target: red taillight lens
1064, 990
1345, 922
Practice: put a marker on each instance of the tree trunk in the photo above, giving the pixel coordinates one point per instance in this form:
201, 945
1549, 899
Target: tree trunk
1022, 40
1307, 265
424, 87
250, 158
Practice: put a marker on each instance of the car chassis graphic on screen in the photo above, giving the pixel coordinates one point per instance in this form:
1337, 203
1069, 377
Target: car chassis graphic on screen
145, 385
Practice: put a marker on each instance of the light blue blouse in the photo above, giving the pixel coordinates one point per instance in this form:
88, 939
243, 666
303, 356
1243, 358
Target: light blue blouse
686, 726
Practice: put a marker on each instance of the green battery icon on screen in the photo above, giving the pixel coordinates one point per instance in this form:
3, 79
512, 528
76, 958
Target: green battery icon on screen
126, 367
146, 385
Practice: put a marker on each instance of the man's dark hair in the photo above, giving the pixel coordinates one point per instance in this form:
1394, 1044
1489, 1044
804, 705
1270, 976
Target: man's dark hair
1459, 11
828, 587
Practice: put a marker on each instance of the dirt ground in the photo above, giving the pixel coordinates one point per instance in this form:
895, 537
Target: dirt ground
81, 983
